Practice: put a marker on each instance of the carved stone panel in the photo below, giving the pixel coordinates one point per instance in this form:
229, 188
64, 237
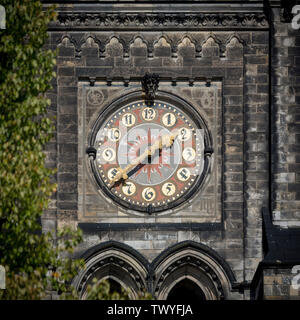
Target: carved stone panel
203, 207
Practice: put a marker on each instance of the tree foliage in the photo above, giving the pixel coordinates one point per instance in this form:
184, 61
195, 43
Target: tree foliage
26, 70
34, 261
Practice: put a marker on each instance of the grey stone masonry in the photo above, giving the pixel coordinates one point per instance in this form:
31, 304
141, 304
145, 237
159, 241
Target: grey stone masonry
281, 284
285, 122
218, 58
49, 216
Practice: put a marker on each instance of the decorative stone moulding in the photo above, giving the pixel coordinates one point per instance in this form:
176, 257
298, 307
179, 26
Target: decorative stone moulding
128, 21
212, 41
185, 260
116, 265
215, 293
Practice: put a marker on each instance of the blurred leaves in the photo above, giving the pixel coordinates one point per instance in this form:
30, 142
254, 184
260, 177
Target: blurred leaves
100, 290
26, 70
35, 262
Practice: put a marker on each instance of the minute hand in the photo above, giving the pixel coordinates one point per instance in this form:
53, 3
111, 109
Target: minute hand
164, 141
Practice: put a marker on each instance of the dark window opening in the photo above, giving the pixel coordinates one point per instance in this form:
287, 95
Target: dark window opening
114, 286
186, 290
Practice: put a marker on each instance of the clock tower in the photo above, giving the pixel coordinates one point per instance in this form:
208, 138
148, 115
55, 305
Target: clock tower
165, 145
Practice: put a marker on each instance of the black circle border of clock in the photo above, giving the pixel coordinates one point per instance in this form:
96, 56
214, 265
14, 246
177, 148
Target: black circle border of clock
166, 97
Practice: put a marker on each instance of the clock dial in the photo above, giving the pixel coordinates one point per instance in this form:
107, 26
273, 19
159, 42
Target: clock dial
109, 154
114, 134
149, 156
169, 119
129, 188
183, 174
168, 189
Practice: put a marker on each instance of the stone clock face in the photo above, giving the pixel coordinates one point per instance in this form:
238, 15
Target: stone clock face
149, 158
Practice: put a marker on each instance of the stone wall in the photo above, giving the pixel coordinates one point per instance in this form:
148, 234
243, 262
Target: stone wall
285, 122
278, 284
112, 51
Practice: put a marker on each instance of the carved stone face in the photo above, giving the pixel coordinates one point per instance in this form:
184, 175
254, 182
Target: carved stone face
150, 85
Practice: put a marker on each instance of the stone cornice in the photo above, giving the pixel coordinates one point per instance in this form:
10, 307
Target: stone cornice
112, 21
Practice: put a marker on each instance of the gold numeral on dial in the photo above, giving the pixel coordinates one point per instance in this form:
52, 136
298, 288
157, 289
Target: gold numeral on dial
114, 134
112, 173
184, 134
148, 114
183, 174
109, 154
168, 189
189, 154
128, 119
148, 194
169, 119
129, 188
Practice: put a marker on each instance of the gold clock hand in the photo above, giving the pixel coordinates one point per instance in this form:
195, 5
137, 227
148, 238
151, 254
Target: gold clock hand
164, 141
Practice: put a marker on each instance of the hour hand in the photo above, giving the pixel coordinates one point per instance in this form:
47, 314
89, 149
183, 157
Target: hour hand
121, 174
164, 141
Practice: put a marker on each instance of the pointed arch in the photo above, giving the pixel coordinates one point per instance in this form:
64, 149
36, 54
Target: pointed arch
66, 37
212, 46
210, 41
163, 39
67, 46
234, 47
88, 37
162, 47
138, 46
187, 36
235, 40
114, 45
114, 260
194, 261
138, 38
186, 46
90, 45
